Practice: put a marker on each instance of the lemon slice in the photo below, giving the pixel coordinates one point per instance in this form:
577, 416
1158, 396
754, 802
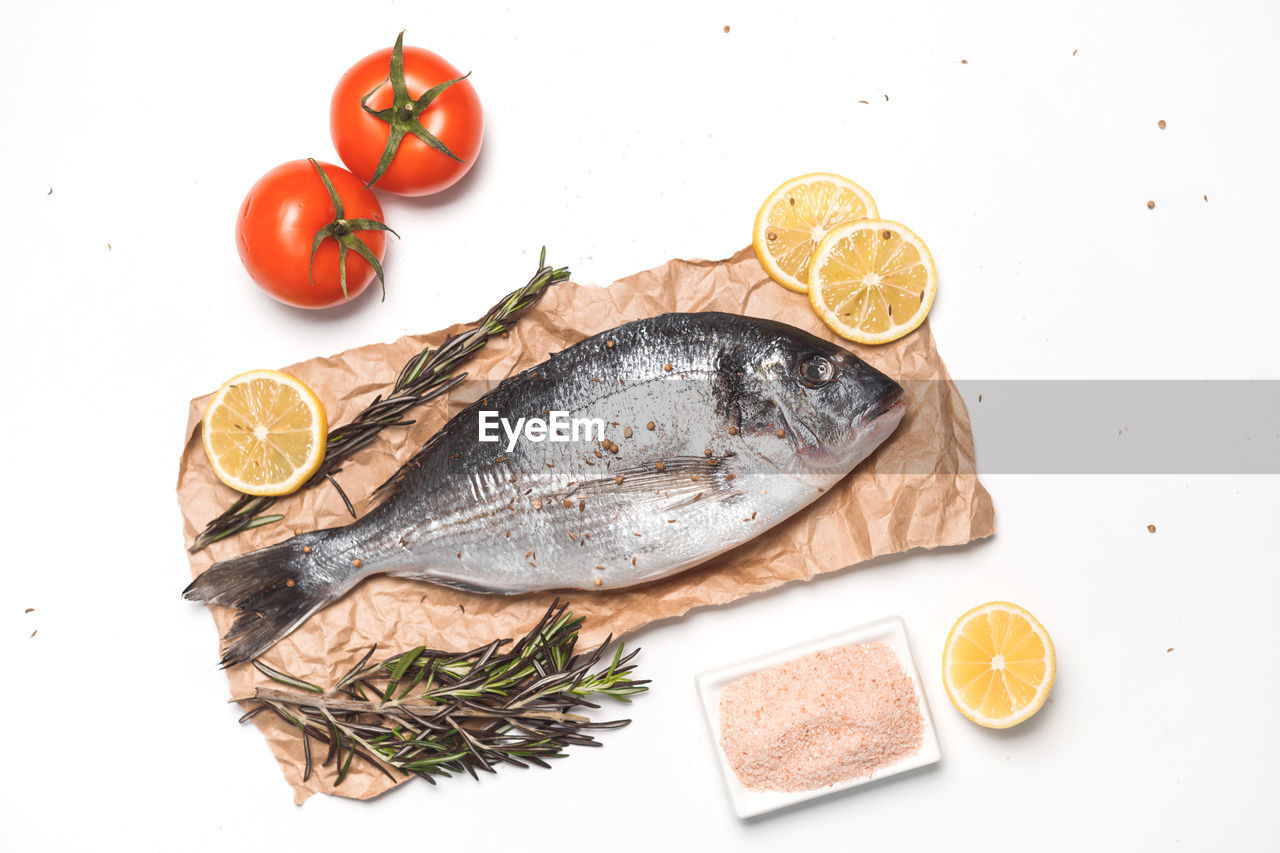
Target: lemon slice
998, 664
264, 433
872, 281
797, 215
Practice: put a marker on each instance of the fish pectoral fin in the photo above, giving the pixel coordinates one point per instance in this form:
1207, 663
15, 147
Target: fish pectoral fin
673, 482
452, 582
704, 496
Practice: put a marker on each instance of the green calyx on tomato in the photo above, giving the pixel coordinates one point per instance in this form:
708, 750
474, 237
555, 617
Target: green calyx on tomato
344, 231
402, 116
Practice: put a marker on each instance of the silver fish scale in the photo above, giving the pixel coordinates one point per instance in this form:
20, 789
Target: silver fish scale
554, 514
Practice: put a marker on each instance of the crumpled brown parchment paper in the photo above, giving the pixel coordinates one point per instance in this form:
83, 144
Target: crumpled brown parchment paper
919, 490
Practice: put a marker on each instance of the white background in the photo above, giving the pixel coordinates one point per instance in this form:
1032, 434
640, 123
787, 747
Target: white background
622, 135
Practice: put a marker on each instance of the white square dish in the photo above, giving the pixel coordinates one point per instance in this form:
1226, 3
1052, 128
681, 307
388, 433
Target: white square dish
747, 802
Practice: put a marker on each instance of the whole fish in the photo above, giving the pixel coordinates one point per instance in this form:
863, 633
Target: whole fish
663, 442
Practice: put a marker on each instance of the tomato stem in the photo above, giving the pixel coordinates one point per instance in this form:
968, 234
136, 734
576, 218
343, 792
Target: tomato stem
343, 230
402, 116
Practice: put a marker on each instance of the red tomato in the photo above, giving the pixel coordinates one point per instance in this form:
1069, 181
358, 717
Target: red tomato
454, 117
278, 223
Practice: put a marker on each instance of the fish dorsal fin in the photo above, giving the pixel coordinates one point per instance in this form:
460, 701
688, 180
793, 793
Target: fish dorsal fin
393, 482
673, 482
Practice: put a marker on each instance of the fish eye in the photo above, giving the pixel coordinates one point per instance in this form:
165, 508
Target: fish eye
816, 369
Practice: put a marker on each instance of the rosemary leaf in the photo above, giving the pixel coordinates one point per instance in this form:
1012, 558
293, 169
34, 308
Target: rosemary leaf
283, 678
346, 679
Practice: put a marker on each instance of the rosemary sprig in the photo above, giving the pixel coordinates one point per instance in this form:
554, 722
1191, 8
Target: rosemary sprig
425, 377
430, 713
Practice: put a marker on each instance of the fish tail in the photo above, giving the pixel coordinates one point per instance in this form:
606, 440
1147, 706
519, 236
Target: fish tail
275, 589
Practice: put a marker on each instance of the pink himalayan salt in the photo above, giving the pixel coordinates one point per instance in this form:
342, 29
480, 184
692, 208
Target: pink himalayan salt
820, 719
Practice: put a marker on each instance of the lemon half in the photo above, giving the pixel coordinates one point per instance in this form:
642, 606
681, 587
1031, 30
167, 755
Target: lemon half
998, 664
265, 433
872, 281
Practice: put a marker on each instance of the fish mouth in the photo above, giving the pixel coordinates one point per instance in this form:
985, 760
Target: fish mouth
891, 402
